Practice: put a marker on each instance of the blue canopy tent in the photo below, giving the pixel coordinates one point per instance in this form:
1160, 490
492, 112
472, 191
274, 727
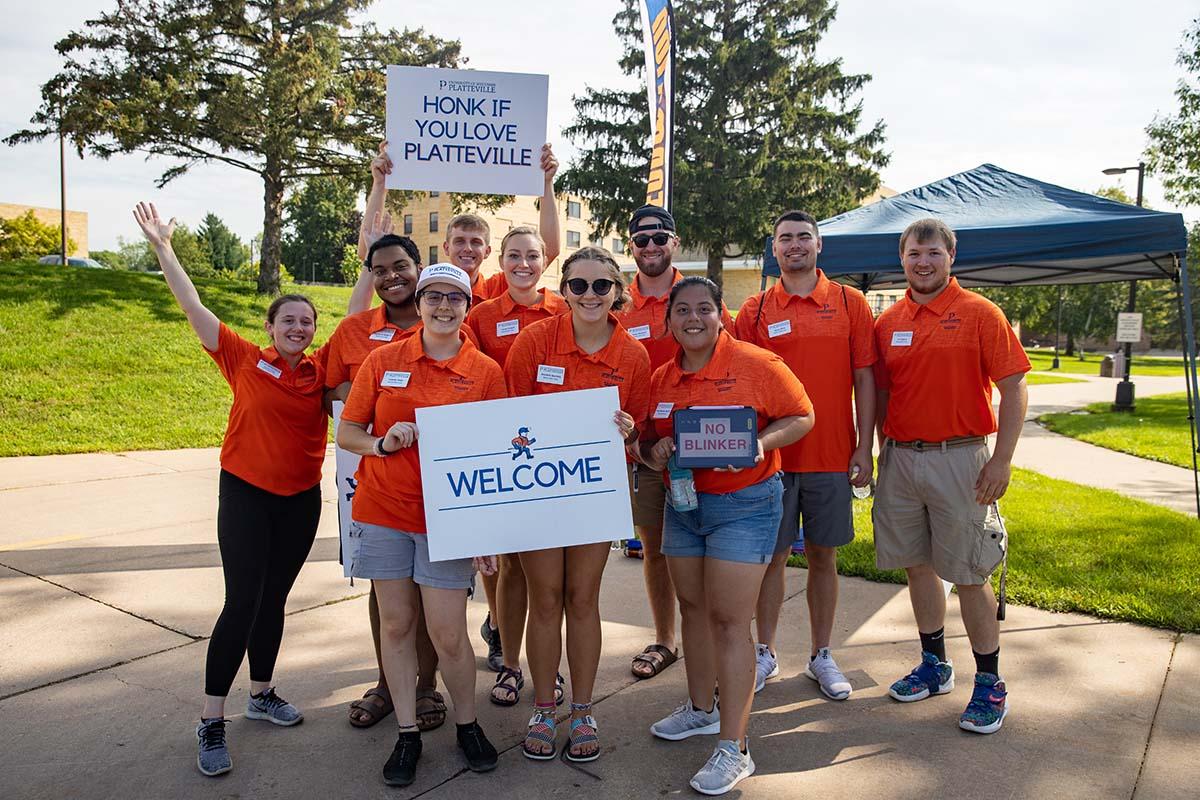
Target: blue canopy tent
1017, 231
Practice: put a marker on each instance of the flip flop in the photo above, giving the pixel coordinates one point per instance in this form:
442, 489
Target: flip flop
432, 714
373, 710
657, 657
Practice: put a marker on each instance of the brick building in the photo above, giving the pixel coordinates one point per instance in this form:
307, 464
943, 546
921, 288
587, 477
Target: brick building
77, 223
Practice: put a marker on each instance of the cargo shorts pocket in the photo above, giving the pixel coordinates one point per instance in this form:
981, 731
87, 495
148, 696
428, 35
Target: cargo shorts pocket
990, 544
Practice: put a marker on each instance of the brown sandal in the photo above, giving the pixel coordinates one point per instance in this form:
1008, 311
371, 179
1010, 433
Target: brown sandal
372, 709
656, 657
431, 709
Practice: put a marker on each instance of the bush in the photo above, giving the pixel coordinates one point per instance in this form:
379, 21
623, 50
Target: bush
25, 237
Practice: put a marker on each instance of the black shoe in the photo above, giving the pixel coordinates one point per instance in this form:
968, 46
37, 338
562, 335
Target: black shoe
481, 756
491, 636
401, 766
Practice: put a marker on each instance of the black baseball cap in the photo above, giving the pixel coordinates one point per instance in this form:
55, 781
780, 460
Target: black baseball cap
665, 221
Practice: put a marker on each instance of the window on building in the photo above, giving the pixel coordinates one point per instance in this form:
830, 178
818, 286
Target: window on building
433, 221
433, 255
435, 194
616, 246
573, 209
408, 224
573, 238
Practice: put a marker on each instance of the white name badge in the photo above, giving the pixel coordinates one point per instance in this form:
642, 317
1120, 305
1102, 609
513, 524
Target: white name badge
902, 338
384, 335
270, 369
508, 327
663, 410
548, 374
779, 328
640, 332
395, 380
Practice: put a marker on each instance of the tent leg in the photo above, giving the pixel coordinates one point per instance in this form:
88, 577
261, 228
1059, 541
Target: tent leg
1188, 332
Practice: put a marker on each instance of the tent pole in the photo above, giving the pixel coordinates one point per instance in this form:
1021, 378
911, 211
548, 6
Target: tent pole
1188, 336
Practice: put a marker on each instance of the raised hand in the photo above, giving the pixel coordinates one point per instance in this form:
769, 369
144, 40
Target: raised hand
153, 228
549, 163
381, 226
381, 165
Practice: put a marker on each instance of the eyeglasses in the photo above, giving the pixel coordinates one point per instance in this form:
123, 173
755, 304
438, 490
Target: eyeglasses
434, 298
601, 286
660, 238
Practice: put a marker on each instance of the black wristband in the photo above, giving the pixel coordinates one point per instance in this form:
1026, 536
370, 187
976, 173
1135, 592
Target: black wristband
379, 451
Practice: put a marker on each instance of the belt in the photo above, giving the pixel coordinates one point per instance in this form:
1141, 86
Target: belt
960, 441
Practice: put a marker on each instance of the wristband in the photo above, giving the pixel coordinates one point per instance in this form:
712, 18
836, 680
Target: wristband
378, 448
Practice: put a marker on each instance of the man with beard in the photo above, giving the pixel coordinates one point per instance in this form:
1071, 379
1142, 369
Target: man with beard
823, 332
940, 350
653, 242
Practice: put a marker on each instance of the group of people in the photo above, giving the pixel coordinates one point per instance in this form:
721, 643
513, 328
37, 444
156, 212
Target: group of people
822, 376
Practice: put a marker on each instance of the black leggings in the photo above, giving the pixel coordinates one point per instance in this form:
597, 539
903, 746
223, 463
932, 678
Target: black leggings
264, 540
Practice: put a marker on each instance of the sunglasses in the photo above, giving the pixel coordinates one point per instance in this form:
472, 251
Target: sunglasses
601, 286
435, 298
660, 238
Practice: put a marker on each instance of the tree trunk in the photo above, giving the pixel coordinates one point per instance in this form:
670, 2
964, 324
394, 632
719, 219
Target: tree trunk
716, 261
268, 270
1070, 351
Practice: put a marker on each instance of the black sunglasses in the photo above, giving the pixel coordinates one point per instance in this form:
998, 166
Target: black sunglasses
601, 286
660, 238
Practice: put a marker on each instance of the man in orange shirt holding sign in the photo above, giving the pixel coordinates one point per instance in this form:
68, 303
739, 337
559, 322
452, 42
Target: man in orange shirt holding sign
940, 350
823, 332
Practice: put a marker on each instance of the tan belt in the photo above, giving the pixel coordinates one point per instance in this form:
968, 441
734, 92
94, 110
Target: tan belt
961, 441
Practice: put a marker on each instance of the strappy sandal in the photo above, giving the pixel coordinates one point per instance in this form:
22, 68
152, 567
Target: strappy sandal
542, 728
560, 689
583, 732
656, 657
510, 682
431, 709
366, 711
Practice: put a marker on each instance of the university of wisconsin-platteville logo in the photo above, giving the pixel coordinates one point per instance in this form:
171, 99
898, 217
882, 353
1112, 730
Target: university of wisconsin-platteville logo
521, 443
951, 322
826, 313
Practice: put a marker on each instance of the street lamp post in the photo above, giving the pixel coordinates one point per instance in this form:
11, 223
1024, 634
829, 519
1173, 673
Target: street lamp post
1124, 398
1057, 328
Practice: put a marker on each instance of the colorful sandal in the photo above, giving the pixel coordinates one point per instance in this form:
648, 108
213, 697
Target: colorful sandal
583, 732
541, 729
510, 682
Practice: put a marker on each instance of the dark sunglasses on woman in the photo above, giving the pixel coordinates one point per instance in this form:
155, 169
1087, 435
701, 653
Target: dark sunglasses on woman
601, 286
660, 238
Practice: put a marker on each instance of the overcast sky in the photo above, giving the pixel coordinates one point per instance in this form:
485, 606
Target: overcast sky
1052, 89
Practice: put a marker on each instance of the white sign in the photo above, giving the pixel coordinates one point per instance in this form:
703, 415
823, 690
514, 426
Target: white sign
524, 473
1129, 326
347, 465
458, 130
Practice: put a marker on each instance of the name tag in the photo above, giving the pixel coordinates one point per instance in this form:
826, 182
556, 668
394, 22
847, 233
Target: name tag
902, 338
395, 380
384, 335
508, 327
270, 369
663, 410
547, 374
779, 328
640, 332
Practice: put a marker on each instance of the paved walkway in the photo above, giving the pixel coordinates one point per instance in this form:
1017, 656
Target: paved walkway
110, 580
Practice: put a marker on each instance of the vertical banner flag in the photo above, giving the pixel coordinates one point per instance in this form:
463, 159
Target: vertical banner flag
658, 30
347, 465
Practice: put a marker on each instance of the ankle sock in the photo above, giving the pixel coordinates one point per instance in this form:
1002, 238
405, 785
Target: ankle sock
989, 662
935, 643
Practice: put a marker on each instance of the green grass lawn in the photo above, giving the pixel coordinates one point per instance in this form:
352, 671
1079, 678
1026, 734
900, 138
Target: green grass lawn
1037, 379
1075, 548
1041, 360
1157, 429
99, 360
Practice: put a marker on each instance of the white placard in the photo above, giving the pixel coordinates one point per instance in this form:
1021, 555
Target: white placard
458, 130
524, 473
1129, 326
347, 465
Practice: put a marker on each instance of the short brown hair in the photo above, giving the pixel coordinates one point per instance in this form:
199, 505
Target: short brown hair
469, 222
604, 257
926, 229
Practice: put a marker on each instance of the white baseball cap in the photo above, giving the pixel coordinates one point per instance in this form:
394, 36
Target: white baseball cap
445, 273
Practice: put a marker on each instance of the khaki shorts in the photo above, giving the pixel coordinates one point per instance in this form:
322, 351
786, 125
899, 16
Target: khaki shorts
647, 495
925, 513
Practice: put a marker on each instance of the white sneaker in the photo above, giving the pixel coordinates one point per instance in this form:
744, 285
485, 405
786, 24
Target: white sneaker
725, 767
824, 670
687, 720
765, 666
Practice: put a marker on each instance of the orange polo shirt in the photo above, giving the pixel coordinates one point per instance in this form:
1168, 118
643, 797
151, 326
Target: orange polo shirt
645, 317
738, 374
361, 333
497, 322
393, 382
487, 288
938, 361
545, 359
277, 427
822, 338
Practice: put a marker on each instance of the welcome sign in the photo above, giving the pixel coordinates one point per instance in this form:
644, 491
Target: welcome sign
458, 130
524, 473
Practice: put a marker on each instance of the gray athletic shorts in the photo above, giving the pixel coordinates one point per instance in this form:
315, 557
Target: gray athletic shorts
387, 554
823, 500
647, 496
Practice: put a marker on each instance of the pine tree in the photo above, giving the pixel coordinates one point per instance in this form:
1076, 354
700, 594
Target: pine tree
225, 249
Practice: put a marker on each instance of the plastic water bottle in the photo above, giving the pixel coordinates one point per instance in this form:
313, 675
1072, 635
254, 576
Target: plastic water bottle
860, 492
683, 487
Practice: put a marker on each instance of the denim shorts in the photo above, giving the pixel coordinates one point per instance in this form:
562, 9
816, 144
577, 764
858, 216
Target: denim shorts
740, 526
388, 554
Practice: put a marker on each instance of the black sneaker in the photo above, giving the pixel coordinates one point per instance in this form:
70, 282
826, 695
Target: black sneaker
481, 756
491, 636
401, 766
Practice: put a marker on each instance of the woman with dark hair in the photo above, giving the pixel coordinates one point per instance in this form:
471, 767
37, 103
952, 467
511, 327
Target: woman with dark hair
270, 493
718, 550
585, 348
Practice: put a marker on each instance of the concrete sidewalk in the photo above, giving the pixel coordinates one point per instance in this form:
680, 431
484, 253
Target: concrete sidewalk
110, 581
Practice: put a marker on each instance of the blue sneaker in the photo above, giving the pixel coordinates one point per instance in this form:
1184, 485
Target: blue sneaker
213, 758
273, 708
988, 707
930, 677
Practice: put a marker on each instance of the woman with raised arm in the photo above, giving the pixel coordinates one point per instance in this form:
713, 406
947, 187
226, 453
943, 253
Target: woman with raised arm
270, 492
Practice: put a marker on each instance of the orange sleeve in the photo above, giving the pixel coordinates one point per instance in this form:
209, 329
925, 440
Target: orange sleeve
747, 318
862, 333
1001, 349
321, 356
336, 371
638, 404
473, 327
882, 378
232, 350
784, 393
465, 328
360, 405
726, 319
521, 367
